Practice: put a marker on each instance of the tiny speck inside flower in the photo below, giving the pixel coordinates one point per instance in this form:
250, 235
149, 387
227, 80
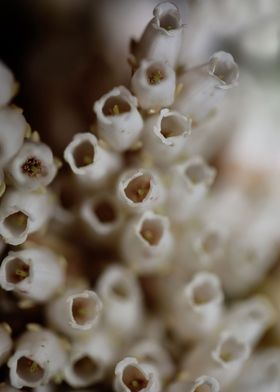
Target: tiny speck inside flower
32, 167
83, 154
115, 106
134, 379
151, 231
29, 370
169, 22
105, 211
171, 126
85, 368
138, 188
83, 310
204, 293
155, 75
16, 270
16, 223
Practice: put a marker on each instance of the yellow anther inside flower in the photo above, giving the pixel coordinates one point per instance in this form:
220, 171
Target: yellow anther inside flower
116, 110
81, 311
34, 367
23, 273
135, 384
156, 77
167, 133
141, 192
87, 159
20, 219
226, 356
148, 235
32, 167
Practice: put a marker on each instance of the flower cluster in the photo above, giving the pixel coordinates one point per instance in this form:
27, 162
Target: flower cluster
129, 269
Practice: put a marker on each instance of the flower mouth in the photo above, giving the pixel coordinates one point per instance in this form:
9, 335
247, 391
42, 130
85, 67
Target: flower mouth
84, 310
16, 271
171, 127
83, 154
151, 231
168, 22
85, 368
114, 106
120, 290
104, 211
231, 350
204, 293
134, 379
197, 173
16, 223
138, 188
33, 167
203, 388
155, 75
29, 370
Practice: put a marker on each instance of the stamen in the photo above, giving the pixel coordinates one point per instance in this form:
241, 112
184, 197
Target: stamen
148, 235
155, 77
22, 272
87, 160
226, 356
116, 110
32, 167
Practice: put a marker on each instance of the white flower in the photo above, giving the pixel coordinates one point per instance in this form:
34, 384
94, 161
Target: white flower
132, 376
202, 383
162, 37
119, 122
154, 84
89, 160
8, 85
230, 351
198, 306
250, 319
140, 189
202, 246
89, 359
12, 130
22, 213
147, 243
121, 295
75, 312
221, 357
205, 86
165, 135
32, 167
33, 273
192, 179
102, 215
37, 358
